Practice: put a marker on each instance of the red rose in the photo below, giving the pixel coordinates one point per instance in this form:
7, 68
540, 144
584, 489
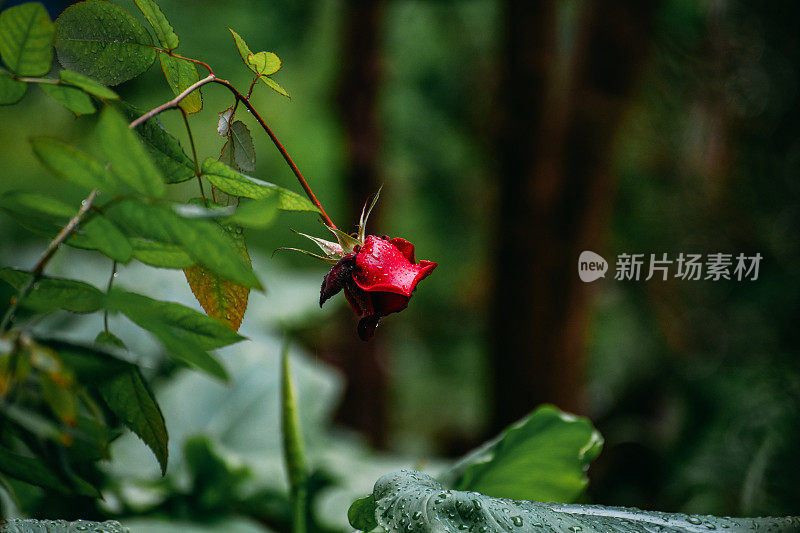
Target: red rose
377, 274
378, 279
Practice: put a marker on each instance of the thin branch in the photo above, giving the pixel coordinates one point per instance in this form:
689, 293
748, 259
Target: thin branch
303, 183
194, 155
174, 102
108, 289
196, 61
51, 81
236, 104
241, 98
38, 268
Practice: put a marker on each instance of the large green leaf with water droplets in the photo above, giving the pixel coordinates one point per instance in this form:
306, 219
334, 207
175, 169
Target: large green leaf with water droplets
17, 525
542, 457
103, 41
26, 39
411, 501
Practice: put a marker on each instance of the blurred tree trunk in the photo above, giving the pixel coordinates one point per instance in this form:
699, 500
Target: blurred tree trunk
364, 404
556, 149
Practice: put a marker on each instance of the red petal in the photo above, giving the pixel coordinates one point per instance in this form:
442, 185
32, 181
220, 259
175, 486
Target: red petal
382, 267
359, 300
405, 247
337, 278
387, 302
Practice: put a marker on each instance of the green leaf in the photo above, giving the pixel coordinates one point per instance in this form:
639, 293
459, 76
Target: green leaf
543, 457
244, 150
133, 403
361, 514
73, 99
19, 525
205, 241
206, 332
103, 41
166, 152
26, 39
231, 182
87, 84
241, 46
185, 333
30, 470
104, 236
181, 74
11, 90
16, 201
159, 254
220, 298
414, 499
161, 27
109, 339
50, 294
257, 214
264, 63
128, 157
217, 478
275, 86
62, 400
90, 364
293, 447
76, 166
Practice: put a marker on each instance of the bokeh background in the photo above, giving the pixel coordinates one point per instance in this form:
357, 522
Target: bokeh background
509, 136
